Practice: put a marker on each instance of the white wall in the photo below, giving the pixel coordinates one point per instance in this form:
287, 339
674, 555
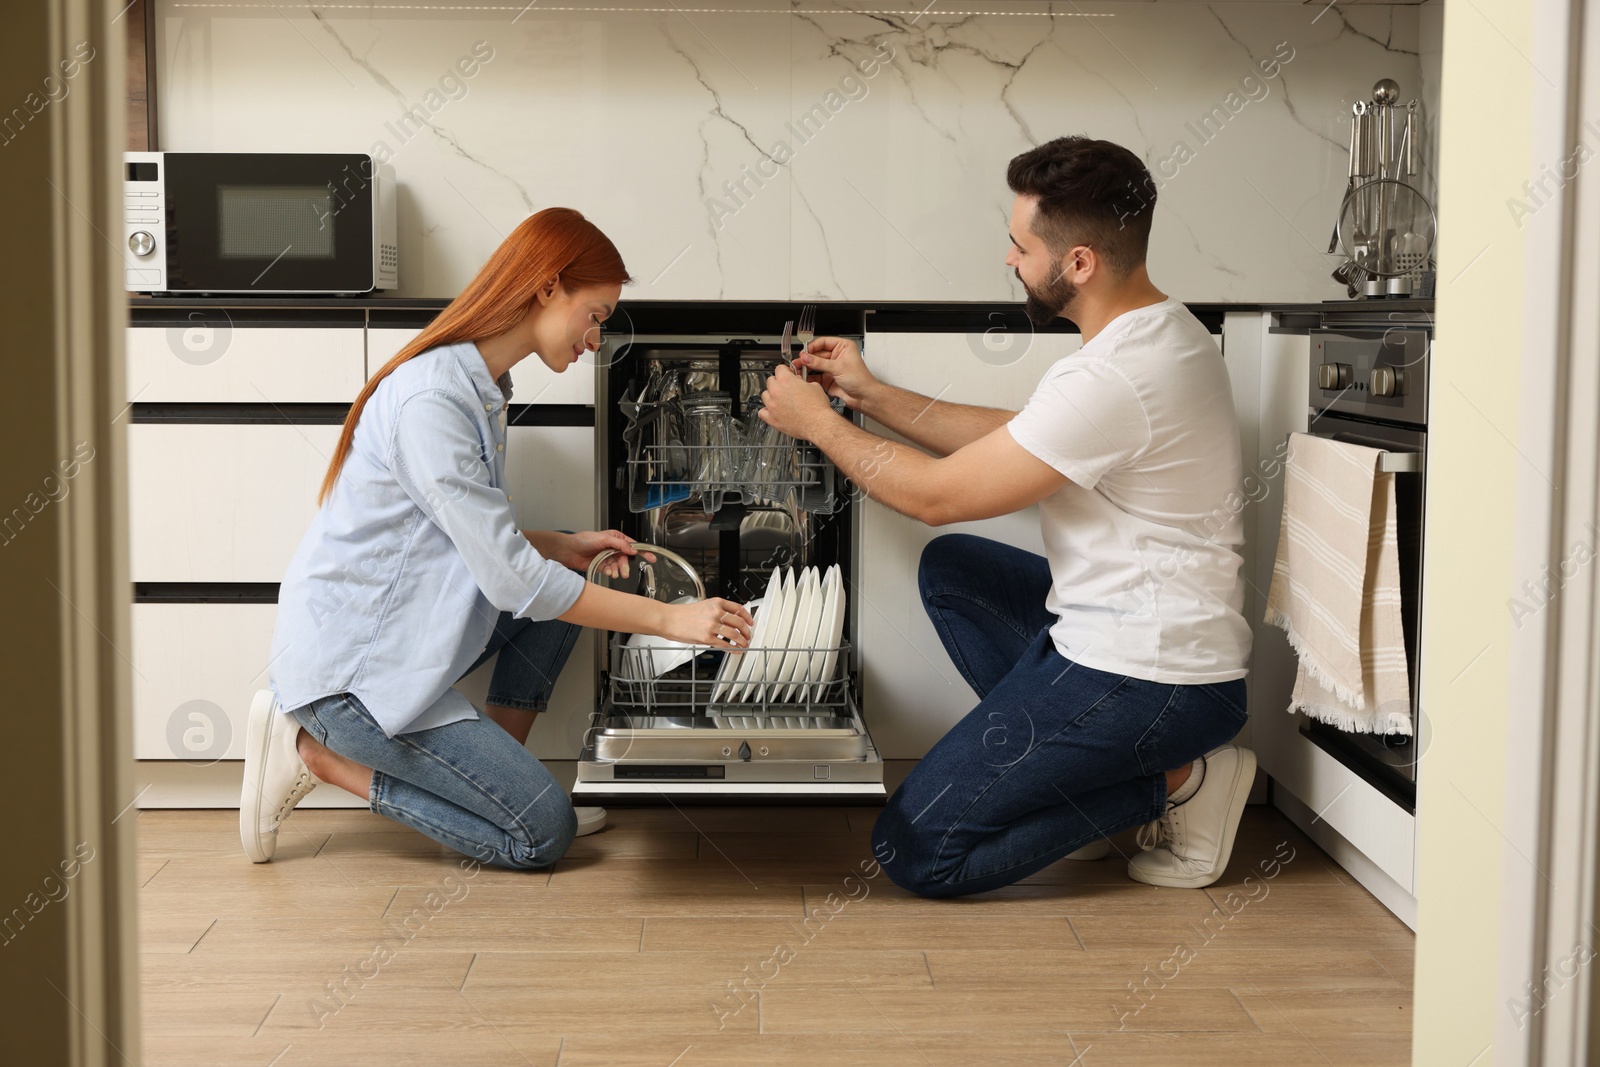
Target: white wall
1473, 471
639, 117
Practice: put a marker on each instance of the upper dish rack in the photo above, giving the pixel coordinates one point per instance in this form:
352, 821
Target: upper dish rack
686, 441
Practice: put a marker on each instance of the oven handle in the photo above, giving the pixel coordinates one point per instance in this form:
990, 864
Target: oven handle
1388, 462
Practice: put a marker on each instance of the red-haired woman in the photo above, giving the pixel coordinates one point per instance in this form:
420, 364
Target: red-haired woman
413, 573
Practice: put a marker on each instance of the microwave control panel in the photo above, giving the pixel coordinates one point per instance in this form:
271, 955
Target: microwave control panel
144, 233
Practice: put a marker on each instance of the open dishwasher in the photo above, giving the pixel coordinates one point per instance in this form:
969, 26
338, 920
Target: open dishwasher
740, 511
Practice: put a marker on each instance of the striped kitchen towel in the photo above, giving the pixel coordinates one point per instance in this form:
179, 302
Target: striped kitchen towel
1336, 587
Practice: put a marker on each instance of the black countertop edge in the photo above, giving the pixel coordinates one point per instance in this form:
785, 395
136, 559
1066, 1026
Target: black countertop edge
421, 303
644, 317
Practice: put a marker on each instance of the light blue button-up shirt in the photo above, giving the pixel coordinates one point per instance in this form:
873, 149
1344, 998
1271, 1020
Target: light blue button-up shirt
397, 584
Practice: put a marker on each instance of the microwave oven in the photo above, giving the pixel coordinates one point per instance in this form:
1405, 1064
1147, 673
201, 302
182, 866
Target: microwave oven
259, 222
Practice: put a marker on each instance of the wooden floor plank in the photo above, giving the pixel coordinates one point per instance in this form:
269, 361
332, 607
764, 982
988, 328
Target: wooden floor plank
734, 936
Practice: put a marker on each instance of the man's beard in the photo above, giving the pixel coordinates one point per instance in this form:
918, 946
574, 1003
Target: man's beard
1045, 305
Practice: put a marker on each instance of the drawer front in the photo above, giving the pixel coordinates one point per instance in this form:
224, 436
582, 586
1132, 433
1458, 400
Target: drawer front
195, 669
221, 502
532, 382
550, 477
211, 361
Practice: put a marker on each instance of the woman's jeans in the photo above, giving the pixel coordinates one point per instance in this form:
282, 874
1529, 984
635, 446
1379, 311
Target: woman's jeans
1054, 756
468, 784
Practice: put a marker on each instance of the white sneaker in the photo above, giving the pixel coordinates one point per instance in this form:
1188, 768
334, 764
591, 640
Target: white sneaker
1188, 847
1094, 850
590, 820
275, 777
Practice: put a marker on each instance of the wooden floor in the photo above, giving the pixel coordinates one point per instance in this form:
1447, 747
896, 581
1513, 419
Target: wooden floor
680, 938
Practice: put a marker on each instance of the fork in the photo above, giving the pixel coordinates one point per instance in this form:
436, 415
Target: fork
806, 331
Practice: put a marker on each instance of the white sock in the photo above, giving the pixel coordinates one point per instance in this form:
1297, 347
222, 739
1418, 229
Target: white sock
1191, 784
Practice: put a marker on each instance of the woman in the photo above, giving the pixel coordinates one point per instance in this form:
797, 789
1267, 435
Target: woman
413, 573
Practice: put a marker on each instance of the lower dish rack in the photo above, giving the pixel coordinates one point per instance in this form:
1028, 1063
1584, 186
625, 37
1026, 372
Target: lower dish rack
770, 727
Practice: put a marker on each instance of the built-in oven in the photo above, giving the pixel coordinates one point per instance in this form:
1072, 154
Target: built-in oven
258, 222
1369, 386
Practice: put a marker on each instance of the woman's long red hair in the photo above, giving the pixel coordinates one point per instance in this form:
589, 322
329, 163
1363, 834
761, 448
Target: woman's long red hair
557, 242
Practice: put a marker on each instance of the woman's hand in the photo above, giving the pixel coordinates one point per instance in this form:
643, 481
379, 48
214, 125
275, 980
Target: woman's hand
844, 372
578, 550
715, 622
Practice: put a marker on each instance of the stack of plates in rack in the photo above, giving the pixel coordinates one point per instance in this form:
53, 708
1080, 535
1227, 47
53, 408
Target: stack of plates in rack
795, 645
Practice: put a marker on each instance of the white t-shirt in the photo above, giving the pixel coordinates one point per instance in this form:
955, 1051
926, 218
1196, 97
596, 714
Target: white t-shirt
1143, 541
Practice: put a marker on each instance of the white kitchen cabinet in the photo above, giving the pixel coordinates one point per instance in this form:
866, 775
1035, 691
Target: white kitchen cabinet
196, 668
209, 361
221, 502
911, 691
551, 479
532, 382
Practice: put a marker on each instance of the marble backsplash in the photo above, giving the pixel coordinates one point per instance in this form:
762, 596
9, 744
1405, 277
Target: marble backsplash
758, 149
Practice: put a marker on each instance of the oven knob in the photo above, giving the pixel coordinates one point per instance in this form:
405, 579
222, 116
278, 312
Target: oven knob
1333, 376
141, 243
1387, 381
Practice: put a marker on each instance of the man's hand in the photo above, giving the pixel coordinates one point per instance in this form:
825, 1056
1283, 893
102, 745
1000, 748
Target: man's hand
844, 372
793, 406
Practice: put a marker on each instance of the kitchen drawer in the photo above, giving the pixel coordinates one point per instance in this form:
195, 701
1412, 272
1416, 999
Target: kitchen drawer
221, 502
195, 669
550, 477
209, 361
532, 382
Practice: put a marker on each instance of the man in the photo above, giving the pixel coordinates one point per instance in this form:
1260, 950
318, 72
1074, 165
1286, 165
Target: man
1111, 671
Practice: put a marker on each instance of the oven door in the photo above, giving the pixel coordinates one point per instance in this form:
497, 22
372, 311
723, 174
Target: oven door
1388, 762
269, 222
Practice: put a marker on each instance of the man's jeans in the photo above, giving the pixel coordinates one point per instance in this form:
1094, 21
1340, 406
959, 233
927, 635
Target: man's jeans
1054, 756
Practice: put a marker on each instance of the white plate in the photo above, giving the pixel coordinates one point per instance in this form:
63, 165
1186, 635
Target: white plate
802, 637
764, 664
831, 631
732, 661
766, 621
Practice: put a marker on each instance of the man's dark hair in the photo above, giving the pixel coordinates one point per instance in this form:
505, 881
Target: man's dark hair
1092, 193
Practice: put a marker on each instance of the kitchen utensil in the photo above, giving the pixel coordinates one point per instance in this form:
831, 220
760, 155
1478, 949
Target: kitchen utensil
653, 656
806, 331
649, 581
707, 434
1392, 202
1350, 182
786, 343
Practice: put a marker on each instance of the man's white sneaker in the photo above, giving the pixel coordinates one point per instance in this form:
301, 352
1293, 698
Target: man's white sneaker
275, 777
590, 820
1188, 847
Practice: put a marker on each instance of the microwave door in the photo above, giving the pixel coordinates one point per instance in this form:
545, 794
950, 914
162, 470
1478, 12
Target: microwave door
269, 223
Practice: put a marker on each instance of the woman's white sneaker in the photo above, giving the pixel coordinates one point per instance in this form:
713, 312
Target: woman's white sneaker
275, 777
1188, 847
590, 820
1094, 850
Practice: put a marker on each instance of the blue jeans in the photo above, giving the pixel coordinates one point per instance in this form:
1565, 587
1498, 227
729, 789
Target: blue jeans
1055, 755
469, 784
